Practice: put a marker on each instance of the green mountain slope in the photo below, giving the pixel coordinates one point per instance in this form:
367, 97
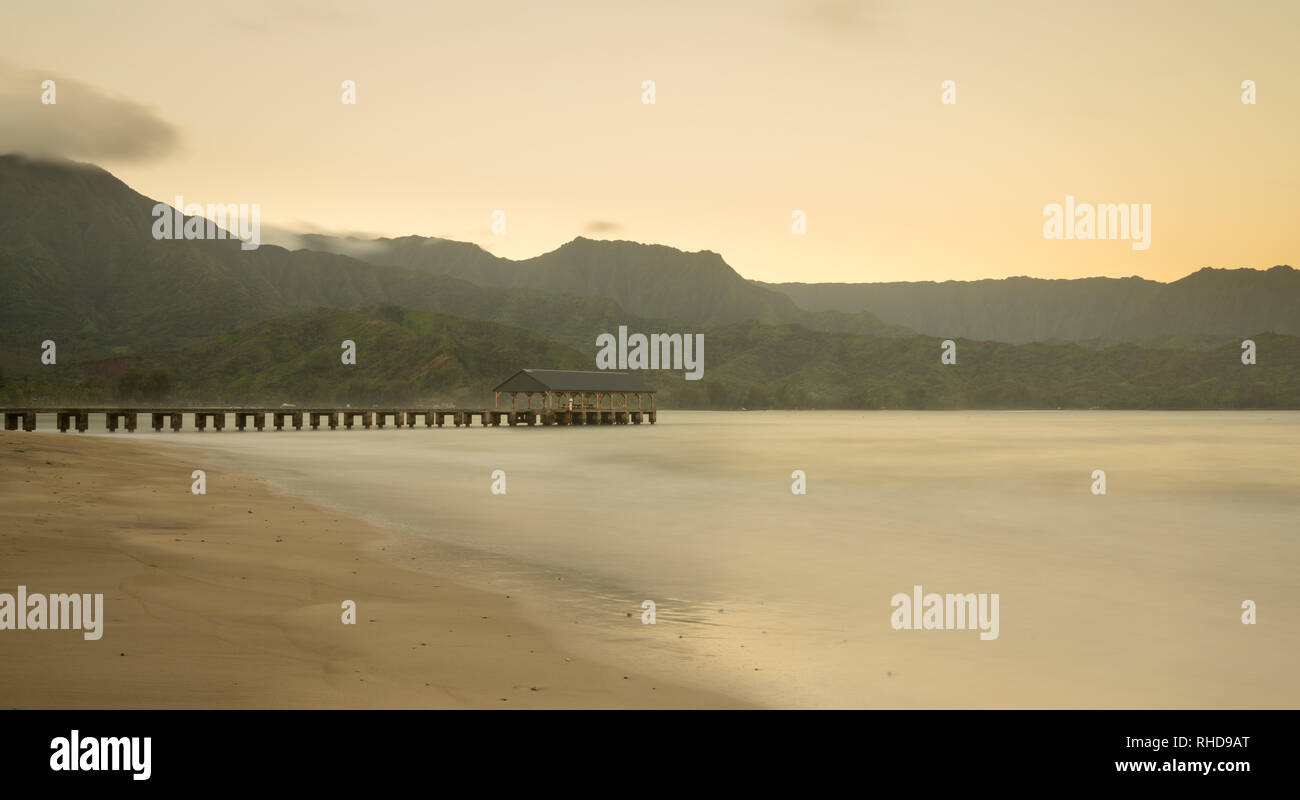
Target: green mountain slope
758, 366
407, 356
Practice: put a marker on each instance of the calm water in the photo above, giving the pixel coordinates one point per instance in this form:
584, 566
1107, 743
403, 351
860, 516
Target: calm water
1128, 599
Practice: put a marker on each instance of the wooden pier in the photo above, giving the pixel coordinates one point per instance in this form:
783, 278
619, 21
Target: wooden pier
128, 419
565, 397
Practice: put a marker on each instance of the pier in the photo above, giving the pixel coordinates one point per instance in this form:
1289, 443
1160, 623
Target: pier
217, 419
565, 398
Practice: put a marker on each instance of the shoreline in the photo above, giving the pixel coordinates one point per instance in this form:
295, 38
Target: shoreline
233, 599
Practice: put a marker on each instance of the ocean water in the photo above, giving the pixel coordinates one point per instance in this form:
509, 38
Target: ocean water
1128, 599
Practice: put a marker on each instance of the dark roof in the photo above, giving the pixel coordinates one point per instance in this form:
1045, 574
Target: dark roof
569, 380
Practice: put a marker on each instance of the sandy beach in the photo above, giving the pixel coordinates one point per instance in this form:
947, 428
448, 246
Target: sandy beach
233, 599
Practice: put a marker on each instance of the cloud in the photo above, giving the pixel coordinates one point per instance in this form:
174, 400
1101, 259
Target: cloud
84, 123
305, 236
602, 226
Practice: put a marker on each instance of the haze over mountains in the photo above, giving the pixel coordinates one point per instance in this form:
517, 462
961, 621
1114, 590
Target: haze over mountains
442, 320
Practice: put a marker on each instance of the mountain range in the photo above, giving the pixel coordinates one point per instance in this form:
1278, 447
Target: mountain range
441, 321
1211, 303
649, 281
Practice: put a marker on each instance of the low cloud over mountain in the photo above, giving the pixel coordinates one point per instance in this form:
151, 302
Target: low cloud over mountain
85, 122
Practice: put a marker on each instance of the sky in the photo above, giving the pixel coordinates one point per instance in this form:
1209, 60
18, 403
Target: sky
763, 108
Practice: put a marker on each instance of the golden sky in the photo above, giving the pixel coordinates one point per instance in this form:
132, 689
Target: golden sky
763, 107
